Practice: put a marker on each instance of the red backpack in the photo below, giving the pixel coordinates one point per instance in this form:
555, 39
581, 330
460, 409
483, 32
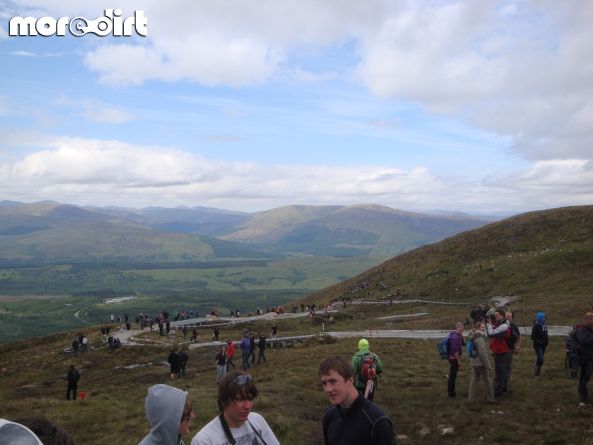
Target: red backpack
368, 367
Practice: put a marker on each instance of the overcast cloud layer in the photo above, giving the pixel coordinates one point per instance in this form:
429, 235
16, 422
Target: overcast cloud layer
519, 71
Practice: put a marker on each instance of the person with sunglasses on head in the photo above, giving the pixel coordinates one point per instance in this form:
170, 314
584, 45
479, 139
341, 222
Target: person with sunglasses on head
169, 411
236, 423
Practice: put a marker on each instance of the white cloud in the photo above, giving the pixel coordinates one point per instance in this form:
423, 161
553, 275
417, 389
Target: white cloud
110, 172
521, 69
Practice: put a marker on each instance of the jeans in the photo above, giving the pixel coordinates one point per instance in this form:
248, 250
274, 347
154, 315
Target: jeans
586, 371
500, 372
453, 368
539, 360
72, 387
245, 357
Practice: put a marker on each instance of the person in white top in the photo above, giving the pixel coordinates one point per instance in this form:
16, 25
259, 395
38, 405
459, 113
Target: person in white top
236, 424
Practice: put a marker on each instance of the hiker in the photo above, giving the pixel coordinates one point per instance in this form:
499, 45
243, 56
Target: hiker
480, 363
85, 344
73, 376
274, 330
252, 346
48, 432
183, 358
236, 422
75, 346
352, 419
169, 412
194, 335
261, 349
514, 342
367, 366
539, 336
215, 334
584, 341
220, 361
499, 331
571, 362
175, 363
245, 350
230, 352
455, 343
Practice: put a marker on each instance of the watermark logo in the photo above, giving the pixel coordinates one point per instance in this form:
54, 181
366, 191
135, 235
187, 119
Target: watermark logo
111, 24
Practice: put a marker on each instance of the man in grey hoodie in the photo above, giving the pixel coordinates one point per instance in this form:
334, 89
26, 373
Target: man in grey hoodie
169, 412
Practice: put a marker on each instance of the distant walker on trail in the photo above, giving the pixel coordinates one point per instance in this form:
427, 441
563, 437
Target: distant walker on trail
367, 366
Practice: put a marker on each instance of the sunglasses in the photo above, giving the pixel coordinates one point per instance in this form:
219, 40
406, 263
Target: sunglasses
242, 379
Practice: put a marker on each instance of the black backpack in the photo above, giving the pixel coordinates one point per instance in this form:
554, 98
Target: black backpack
514, 337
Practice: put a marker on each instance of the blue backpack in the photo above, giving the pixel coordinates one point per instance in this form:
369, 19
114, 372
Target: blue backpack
443, 348
471, 348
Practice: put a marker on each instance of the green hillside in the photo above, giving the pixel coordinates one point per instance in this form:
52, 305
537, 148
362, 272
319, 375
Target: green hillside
347, 231
545, 258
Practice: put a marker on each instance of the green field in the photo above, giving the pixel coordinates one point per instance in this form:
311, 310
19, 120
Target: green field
243, 285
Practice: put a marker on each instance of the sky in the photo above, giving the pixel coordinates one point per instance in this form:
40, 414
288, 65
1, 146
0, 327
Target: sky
482, 107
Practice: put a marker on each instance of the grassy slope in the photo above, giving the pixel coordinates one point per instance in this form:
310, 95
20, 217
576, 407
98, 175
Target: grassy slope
412, 391
545, 258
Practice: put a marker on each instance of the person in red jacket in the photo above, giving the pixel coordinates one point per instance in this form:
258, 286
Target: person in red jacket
499, 331
230, 352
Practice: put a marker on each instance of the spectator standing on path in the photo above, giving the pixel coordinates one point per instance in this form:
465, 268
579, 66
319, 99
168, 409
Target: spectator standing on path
480, 363
236, 423
175, 363
274, 330
252, 346
499, 331
261, 349
539, 336
230, 353
367, 365
456, 344
220, 363
75, 346
245, 350
514, 342
73, 376
85, 343
352, 419
183, 358
169, 412
584, 339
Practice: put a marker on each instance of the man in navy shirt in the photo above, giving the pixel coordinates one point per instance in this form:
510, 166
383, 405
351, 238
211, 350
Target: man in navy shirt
352, 419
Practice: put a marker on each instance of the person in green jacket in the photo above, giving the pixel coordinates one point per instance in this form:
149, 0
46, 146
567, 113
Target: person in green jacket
367, 366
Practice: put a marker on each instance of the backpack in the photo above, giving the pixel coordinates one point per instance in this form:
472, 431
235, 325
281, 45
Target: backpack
576, 346
471, 348
514, 336
443, 348
368, 368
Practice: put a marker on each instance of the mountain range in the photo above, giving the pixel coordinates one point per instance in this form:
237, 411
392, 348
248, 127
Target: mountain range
51, 232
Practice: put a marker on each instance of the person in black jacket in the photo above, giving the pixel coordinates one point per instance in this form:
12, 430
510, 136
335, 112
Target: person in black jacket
261, 348
353, 419
539, 335
73, 377
584, 340
175, 363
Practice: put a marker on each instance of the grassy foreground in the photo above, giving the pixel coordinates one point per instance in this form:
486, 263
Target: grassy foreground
412, 390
